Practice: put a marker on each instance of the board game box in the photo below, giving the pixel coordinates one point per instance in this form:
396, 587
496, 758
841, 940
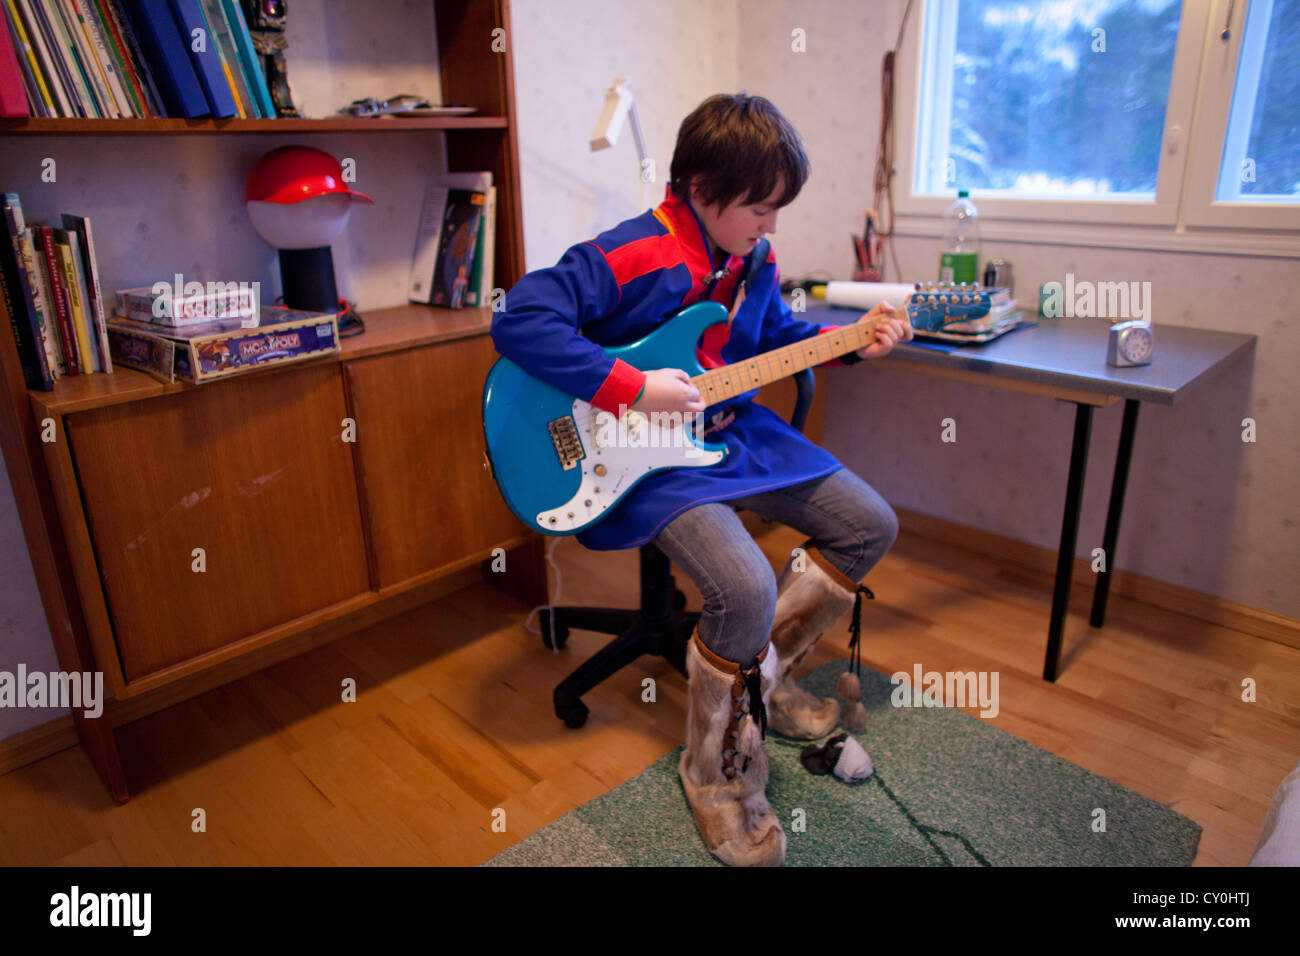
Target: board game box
225, 347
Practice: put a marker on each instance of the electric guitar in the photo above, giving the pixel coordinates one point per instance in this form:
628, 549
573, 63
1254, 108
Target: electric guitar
562, 464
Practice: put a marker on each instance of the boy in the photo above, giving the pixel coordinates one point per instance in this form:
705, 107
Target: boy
736, 163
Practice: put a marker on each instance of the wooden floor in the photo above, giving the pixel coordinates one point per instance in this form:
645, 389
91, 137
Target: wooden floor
452, 723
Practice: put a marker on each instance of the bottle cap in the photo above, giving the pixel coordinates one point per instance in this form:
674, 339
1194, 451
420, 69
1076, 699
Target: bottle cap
962, 193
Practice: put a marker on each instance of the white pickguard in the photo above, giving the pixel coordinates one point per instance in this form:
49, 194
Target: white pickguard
626, 449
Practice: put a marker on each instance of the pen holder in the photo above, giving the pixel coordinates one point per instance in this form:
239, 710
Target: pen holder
867, 275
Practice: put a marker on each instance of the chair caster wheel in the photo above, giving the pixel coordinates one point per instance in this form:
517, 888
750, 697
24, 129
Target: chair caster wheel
561, 633
574, 715
679, 600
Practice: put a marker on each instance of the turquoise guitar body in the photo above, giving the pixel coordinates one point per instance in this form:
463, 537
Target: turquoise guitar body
562, 464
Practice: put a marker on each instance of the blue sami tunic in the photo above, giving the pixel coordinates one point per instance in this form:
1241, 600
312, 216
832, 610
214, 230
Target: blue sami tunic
616, 289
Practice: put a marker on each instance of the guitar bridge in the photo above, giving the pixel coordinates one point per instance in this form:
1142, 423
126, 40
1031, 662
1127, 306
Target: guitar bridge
564, 435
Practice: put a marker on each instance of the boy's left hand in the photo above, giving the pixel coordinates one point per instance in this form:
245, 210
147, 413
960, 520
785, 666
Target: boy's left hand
893, 327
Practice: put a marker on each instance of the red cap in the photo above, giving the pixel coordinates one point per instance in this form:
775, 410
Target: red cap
293, 173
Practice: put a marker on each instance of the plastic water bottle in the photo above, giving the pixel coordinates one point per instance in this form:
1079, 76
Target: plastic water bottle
959, 261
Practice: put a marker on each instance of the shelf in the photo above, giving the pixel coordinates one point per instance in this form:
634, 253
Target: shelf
55, 126
387, 330
409, 326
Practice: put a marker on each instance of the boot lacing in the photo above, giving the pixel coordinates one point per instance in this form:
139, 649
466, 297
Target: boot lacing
855, 630
746, 698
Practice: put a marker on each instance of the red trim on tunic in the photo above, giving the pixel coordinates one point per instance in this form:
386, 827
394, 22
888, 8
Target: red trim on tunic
725, 291
643, 256
620, 388
714, 339
694, 247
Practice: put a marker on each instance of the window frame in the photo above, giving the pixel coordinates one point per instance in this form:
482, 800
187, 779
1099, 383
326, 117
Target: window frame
1191, 151
1218, 87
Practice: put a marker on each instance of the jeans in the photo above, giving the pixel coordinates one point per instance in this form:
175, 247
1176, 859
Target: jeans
843, 516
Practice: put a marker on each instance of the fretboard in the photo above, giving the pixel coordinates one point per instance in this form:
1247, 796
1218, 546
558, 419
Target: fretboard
729, 381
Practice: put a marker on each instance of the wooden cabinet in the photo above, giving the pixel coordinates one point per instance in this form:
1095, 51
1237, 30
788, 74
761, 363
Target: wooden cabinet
210, 527
420, 457
219, 512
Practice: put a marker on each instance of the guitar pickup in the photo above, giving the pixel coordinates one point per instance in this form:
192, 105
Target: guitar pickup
568, 448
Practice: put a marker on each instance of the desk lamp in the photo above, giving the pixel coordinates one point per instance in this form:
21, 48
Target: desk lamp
297, 202
620, 108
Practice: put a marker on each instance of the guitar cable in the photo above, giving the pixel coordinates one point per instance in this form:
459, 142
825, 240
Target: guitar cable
550, 550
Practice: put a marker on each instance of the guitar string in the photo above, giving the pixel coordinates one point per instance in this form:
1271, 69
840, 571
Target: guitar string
721, 379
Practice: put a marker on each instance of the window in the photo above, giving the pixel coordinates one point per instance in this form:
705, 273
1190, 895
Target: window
1087, 112
1062, 100
1261, 152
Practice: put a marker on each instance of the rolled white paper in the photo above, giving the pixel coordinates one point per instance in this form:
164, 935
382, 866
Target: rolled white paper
867, 295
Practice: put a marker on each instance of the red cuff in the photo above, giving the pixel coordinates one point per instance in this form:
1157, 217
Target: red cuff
621, 387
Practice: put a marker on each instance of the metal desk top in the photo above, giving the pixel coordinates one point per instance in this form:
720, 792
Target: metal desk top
1071, 352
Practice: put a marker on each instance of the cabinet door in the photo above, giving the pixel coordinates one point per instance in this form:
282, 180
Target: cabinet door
255, 473
419, 416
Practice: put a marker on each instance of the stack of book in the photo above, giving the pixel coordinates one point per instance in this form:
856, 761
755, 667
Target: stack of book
51, 288
110, 59
454, 248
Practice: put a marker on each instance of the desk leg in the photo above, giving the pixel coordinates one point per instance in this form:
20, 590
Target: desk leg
1069, 538
1117, 486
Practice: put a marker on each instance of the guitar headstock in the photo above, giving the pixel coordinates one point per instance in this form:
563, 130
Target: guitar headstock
937, 304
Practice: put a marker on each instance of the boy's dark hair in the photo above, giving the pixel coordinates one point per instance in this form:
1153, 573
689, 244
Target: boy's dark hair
739, 145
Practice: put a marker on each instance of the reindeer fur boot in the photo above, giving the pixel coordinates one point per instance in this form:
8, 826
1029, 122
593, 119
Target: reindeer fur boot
808, 602
724, 769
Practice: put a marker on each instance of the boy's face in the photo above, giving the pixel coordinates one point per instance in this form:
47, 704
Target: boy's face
738, 227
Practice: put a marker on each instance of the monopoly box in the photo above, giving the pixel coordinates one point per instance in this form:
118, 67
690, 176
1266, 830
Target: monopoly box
200, 353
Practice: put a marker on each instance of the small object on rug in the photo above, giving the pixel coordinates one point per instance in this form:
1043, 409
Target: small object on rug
854, 763
819, 760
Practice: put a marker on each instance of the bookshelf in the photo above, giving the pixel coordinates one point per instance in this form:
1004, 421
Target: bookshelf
36, 126
307, 536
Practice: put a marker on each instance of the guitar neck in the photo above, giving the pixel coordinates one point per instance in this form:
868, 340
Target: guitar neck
729, 381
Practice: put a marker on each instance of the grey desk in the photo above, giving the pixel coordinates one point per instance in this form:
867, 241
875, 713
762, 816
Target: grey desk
1066, 359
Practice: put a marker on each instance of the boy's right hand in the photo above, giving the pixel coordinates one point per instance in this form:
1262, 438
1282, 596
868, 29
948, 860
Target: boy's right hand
669, 390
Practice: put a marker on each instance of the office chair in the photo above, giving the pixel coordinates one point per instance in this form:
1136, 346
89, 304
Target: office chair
661, 625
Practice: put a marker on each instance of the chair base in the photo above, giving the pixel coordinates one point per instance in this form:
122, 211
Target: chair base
661, 626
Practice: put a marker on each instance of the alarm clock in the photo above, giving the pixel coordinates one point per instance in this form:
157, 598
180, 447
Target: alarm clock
1130, 343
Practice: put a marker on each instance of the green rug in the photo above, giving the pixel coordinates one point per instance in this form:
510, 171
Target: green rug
949, 789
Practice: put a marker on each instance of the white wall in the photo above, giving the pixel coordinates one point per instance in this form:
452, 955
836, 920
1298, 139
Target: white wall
566, 55
24, 632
